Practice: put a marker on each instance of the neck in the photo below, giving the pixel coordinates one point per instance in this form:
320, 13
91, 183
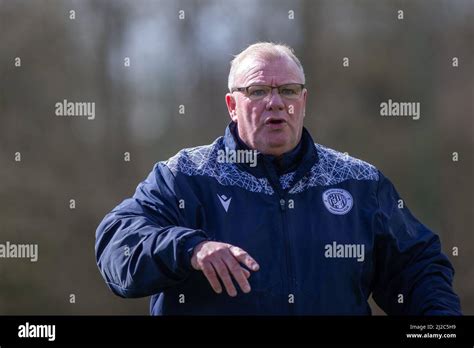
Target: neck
284, 161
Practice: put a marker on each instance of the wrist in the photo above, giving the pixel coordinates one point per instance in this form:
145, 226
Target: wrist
189, 248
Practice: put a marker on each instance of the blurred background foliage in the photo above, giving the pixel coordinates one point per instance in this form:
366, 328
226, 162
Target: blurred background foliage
185, 62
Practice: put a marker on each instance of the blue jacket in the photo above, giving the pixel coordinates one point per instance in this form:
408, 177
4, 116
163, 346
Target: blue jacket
326, 235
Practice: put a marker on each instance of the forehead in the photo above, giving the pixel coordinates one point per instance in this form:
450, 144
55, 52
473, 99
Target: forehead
277, 71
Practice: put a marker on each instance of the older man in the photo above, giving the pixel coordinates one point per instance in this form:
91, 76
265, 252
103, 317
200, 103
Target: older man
302, 230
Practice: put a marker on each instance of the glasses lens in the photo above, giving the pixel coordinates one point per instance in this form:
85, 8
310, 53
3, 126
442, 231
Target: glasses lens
292, 91
258, 92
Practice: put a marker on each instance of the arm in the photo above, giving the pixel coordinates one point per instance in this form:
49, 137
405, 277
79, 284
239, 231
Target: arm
141, 246
409, 261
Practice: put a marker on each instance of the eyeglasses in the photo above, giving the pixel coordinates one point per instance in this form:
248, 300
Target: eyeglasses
257, 92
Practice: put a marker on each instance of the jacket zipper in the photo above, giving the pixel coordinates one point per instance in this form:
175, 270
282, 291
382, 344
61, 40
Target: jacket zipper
289, 257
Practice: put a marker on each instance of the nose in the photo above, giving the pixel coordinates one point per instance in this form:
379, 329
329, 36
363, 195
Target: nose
275, 102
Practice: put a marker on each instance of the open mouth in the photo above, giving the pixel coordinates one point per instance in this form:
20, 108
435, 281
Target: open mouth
275, 121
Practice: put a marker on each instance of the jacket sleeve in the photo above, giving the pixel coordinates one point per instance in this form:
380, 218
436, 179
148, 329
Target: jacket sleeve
409, 262
142, 246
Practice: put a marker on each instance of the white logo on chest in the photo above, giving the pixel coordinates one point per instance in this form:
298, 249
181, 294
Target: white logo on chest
225, 201
337, 201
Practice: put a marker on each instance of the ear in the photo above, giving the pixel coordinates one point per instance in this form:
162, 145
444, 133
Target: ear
305, 94
231, 106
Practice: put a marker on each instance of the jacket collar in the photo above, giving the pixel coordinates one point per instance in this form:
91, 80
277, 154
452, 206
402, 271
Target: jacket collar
299, 160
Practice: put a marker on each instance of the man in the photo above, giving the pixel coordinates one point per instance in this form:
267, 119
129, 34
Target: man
301, 229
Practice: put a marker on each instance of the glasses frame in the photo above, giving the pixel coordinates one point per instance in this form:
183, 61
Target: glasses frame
246, 90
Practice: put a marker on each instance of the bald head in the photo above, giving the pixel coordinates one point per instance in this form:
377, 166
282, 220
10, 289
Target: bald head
262, 52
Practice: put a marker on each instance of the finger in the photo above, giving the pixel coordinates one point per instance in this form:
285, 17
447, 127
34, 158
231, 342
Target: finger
223, 273
237, 272
246, 273
245, 258
211, 276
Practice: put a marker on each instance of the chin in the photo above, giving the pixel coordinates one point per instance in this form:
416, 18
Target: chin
276, 148
283, 142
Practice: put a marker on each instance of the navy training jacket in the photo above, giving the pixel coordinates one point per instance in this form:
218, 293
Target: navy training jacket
326, 236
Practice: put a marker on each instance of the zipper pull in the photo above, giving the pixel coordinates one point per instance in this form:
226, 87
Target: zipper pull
282, 204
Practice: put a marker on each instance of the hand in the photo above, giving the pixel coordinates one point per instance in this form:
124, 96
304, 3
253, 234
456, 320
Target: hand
211, 257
